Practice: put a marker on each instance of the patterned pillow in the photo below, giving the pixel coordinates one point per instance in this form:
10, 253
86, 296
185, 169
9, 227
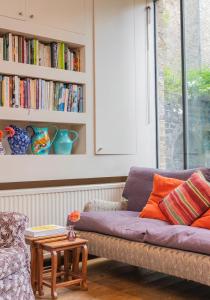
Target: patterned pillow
188, 201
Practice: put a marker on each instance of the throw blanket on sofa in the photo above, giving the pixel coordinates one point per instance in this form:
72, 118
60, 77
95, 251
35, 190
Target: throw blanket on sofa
127, 225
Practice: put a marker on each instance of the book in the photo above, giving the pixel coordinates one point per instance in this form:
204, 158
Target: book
1, 48
16, 49
19, 48
66, 97
25, 94
70, 98
80, 96
22, 93
61, 103
48, 56
1, 101
54, 55
16, 91
5, 91
75, 104
45, 230
51, 96
5, 47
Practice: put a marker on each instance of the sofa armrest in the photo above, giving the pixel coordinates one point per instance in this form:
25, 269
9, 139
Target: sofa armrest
103, 205
12, 228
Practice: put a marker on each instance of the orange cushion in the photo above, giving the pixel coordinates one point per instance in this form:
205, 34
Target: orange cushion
162, 186
203, 221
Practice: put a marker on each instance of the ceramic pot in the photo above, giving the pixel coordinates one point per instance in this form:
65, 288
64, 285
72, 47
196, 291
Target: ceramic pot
2, 150
63, 144
40, 140
20, 141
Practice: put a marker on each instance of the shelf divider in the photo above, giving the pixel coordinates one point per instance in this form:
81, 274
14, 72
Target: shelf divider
37, 115
34, 71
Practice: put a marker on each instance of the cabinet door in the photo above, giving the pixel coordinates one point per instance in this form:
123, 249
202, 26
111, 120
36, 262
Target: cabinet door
62, 14
13, 9
114, 77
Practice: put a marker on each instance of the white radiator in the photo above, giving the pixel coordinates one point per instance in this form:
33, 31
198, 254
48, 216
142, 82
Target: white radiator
51, 205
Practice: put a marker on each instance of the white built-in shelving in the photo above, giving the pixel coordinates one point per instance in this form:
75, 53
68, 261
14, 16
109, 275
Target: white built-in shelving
23, 116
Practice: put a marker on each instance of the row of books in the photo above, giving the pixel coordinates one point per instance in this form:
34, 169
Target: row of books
32, 51
40, 94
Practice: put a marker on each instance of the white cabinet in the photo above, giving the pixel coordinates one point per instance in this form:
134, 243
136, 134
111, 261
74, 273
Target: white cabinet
13, 9
68, 15
63, 14
114, 77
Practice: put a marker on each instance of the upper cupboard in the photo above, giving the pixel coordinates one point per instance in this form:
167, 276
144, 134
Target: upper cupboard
48, 13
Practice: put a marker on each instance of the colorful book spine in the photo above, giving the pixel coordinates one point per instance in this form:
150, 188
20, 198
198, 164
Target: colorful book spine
1, 48
75, 104
22, 94
80, 93
1, 101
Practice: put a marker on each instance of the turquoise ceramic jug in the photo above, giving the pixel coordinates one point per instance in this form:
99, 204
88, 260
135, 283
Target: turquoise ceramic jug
63, 144
40, 140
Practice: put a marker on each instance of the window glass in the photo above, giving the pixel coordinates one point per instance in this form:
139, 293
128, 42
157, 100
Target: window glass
197, 64
169, 83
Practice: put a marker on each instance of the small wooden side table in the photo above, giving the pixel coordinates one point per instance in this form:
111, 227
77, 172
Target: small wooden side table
31, 241
71, 268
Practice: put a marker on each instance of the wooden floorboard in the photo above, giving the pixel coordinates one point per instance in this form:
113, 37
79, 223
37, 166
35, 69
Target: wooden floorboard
108, 280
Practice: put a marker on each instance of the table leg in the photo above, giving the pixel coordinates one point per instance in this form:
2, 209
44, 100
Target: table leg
84, 267
33, 268
59, 263
66, 264
54, 262
76, 256
40, 267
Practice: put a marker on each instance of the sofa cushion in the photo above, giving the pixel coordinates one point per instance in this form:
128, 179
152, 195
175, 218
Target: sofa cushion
162, 186
203, 221
188, 201
140, 181
127, 225
11, 261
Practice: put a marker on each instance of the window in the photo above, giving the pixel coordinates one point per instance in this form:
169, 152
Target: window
183, 83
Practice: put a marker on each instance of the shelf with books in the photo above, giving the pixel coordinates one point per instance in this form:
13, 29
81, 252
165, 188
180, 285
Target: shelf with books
40, 94
34, 51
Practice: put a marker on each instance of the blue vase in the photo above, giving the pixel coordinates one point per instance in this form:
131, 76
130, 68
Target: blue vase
63, 144
20, 141
40, 140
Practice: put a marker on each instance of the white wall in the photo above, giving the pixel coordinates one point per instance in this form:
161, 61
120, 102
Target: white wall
29, 168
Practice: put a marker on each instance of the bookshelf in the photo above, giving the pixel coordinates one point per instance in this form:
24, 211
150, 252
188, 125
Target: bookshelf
61, 119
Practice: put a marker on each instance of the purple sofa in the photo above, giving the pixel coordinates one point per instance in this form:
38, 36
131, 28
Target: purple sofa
119, 234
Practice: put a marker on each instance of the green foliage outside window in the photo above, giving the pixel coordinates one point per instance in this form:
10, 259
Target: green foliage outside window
198, 85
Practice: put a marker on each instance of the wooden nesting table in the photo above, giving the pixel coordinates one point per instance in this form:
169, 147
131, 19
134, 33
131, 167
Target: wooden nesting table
34, 255
69, 274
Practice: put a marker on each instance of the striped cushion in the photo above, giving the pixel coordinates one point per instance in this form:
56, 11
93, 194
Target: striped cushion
188, 201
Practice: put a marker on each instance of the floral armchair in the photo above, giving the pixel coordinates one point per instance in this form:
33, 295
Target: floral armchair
15, 280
